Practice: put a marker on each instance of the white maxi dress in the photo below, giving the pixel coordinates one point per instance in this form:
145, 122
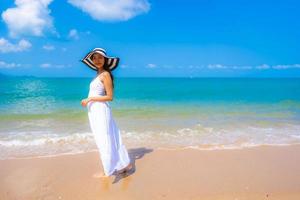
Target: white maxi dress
113, 153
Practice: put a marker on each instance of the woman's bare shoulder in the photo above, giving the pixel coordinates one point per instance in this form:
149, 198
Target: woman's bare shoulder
103, 75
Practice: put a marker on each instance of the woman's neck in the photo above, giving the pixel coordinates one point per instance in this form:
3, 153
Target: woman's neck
99, 72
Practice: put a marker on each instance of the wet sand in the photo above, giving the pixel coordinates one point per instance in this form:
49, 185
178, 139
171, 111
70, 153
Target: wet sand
266, 172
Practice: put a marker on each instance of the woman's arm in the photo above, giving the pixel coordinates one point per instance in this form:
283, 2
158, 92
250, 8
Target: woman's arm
108, 88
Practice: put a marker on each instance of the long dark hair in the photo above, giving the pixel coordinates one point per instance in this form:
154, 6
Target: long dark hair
106, 67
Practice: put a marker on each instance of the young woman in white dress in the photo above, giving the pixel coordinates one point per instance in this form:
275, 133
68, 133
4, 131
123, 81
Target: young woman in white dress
113, 154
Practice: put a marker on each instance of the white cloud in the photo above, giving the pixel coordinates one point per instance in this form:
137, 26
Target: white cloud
220, 66
239, 67
247, 67
8, 65
195, 66
124, 66
286, 66
6, 46
167, 66
112, 10
150, 65
4, 65
49, 65
264, 66
216, 66
73, 34
45, 65
48, 47
29, 17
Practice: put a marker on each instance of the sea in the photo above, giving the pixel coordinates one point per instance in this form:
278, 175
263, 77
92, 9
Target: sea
44, 116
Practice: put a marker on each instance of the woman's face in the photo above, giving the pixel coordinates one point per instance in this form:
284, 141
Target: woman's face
98, 60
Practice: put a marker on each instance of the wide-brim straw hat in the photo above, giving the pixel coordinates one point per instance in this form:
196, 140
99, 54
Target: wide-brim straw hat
112, 62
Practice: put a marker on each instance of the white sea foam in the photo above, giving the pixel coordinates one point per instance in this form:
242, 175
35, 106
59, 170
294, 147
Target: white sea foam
39, 143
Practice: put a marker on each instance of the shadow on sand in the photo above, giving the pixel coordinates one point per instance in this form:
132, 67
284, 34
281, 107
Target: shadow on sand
134, 154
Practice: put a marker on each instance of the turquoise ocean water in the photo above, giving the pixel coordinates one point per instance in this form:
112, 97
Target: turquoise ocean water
43, 116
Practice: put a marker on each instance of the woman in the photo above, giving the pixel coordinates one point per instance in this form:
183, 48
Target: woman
113, 153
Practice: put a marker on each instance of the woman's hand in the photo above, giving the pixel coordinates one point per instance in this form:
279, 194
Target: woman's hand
84, 102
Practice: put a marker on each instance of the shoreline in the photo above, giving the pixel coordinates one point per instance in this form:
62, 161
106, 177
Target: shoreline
265, 172
167, 148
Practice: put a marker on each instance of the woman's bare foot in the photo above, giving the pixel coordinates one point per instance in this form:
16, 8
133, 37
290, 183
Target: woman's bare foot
100, 175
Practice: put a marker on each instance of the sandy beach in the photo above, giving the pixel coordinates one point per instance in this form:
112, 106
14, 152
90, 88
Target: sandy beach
265, 172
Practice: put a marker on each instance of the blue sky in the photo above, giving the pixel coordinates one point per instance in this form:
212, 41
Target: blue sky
191, 38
